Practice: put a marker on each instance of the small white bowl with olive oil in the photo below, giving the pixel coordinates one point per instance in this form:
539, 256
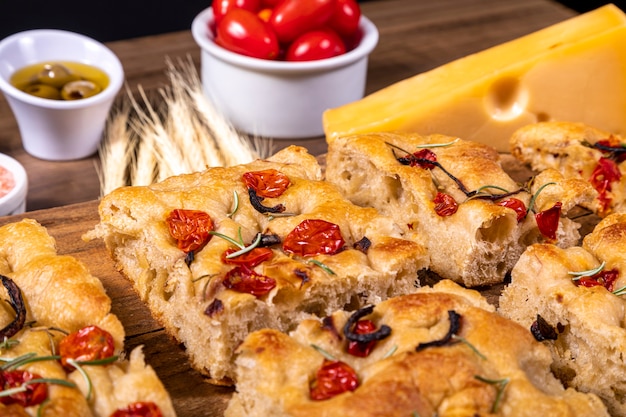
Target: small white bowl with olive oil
60, 86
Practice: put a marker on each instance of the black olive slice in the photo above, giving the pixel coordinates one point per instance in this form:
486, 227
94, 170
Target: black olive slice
379, 334
255, 200
455, 326
17, 303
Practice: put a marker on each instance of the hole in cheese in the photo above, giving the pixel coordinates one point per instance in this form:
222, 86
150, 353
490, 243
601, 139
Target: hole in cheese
506, 99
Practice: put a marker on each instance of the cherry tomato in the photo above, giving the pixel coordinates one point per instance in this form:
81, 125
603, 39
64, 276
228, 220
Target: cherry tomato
270, 4
314, 45
445, 205
548, 221
221, 7
362, 350
345, 19
292, 18
243, 32
35, 393
314, 237
190, 228
605, 173
250, 259
267, 183
333, 378
139, 409
246, 280
87, 344
514, 204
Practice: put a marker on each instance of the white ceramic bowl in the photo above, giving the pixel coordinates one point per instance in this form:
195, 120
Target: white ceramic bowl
57, 129
280, 99
14, 202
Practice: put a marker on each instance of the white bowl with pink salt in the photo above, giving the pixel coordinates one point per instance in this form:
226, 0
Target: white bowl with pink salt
13, 186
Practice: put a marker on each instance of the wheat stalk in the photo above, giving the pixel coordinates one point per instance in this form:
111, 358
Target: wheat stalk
144, 144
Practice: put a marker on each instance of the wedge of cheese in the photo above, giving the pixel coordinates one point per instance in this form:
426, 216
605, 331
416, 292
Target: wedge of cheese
574, 71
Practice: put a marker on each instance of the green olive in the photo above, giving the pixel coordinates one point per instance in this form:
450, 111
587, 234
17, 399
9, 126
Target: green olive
76, 90
56, 75
43, 91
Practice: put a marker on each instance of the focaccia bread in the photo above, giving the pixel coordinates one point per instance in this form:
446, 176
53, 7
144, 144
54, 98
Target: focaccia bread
55, 318
577, 151
453, 197
319, 252
570, 297
446, 353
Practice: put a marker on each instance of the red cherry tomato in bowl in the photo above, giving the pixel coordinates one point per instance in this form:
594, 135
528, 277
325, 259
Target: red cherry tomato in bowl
292, 18
345, 19
221, 7
314, 45
244, 32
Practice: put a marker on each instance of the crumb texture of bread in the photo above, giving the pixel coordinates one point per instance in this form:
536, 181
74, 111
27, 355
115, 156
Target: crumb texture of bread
480, 242
490, 366
190, 298
590, 339
61, 297
578, 151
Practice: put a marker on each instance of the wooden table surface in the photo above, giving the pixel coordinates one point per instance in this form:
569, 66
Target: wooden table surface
415, 36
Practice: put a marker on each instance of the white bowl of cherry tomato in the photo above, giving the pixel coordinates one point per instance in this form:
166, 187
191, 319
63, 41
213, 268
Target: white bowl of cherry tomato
272, 67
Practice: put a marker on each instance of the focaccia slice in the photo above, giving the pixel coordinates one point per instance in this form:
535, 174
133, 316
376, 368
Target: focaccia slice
577, 151
461, 206
49, 300
571, 298
446, 353
322, 253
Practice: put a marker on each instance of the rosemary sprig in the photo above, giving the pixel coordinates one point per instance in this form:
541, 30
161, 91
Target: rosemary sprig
391, 351
24, 386
25, 359
8, 343
235, 204
437, 145
500, 385
468, 344
242, 246
587, 273
324, 352
531, 205
322, 265
620, 291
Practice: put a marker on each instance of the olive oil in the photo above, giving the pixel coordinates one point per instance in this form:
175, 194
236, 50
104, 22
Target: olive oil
62, 80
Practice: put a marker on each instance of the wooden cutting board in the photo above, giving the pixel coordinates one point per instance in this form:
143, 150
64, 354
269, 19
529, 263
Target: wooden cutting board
192, 396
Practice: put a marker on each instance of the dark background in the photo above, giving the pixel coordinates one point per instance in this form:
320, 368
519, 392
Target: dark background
122, 19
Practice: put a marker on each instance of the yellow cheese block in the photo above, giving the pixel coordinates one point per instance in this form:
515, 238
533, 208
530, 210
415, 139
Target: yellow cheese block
574, 71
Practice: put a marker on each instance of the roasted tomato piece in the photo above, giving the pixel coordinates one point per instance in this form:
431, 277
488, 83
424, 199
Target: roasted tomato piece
35, 393
190, 228
514, 204
333, 378
548, 221
360, 349
268, 183
139, 409
314, 237
445, 205
87, 344
246, 280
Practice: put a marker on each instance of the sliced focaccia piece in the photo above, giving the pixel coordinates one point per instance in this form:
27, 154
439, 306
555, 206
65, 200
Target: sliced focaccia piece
577, 151
453, 197
57, 328
571, 298
220, 253
440, 351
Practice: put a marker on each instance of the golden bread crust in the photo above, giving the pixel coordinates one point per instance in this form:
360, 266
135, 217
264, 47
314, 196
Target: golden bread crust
481, 241
61, 297
565, 146
397, 379
589, 322
191, 300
